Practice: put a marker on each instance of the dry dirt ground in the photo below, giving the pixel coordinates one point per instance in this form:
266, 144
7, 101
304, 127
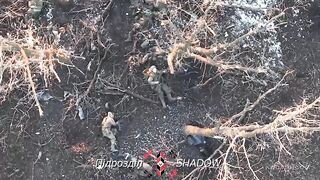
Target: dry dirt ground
56, 136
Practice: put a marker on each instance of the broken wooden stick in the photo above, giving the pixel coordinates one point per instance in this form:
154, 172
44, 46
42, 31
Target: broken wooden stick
222, 66
96, 73
115, 87
173, 54
31, 83
139, 96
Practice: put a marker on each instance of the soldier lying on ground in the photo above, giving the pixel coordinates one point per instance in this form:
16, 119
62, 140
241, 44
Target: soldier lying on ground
205, 145
156, 81
110, 129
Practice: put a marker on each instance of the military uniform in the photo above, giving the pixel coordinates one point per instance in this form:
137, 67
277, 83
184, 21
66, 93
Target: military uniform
155, 79
108, 129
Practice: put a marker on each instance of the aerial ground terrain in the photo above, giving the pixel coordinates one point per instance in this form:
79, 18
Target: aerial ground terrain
248, 71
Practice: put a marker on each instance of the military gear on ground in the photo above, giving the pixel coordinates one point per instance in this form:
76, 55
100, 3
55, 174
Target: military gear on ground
195, 140
148, 43
200, 143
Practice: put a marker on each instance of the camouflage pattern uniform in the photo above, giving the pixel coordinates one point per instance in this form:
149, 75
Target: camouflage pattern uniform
108, 130
155, 79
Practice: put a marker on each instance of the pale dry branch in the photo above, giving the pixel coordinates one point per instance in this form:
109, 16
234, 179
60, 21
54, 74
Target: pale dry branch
33, 88
245, 7
249, 108
223, 66
247, 158
289, 121
23, 58
173, 54
125, 91
225, 173
190, 50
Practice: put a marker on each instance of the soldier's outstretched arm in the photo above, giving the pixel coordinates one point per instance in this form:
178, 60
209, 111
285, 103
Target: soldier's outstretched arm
152, 82
109, 120
117, 126
113, 122
165, 71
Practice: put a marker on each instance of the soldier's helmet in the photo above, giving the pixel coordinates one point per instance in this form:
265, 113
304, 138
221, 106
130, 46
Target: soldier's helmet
153, 69
147, 72
111, 115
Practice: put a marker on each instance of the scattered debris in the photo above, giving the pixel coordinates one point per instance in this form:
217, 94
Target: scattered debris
137, 136
44, 96
81, 113
80, 148
66, 95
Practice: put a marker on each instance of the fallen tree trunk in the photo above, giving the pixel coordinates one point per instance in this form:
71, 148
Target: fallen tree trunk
242, 131
288, 121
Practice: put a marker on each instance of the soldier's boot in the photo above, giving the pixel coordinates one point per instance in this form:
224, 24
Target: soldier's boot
113, 142
114, 147
161, 96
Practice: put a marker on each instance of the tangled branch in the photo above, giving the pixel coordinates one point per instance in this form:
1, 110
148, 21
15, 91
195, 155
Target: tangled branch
204, 55
289, 121
22, 59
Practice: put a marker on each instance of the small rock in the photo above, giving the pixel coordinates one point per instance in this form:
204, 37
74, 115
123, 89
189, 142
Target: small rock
81, 113
137, 136
107, 106
145, 44
43, 96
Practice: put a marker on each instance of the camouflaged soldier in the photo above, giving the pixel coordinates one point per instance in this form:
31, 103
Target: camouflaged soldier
155, 79
109, 129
